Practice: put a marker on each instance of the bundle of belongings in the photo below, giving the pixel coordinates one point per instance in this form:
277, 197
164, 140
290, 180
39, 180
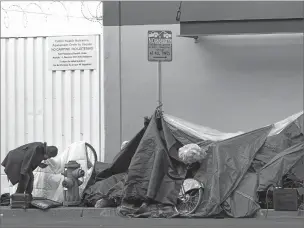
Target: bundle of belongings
234, 168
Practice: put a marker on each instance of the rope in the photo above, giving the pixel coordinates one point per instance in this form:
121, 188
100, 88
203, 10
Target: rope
159, 112
179, 12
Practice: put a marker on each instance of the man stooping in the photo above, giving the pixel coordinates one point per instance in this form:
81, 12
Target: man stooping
20, 163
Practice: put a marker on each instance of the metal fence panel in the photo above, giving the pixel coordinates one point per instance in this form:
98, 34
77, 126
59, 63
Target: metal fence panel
58, 107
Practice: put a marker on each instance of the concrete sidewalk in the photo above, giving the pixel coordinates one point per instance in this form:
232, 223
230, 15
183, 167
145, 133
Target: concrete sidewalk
78, 212
71, 212
118, 222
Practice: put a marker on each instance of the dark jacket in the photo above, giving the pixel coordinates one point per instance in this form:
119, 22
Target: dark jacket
23, 160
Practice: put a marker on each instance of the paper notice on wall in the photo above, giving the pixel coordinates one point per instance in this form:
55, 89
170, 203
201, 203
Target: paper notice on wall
72, 53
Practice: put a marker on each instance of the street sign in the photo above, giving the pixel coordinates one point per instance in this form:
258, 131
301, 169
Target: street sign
72, 53
160, 46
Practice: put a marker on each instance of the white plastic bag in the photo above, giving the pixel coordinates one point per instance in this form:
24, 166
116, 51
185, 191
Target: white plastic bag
191, 153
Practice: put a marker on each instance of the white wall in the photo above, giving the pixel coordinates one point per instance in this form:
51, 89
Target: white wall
230, 83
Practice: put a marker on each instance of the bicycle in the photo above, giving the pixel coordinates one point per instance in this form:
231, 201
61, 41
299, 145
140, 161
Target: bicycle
191, 193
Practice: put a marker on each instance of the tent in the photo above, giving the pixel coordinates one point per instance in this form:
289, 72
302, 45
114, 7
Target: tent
238, 165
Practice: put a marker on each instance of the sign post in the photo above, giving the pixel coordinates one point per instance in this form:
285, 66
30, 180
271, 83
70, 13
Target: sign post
159, 50
159, 83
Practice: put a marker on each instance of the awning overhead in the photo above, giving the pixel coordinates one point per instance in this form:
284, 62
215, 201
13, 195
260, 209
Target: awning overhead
245, 17
195, 29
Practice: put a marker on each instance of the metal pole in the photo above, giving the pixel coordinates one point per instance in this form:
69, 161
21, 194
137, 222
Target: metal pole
120, 72
159, 83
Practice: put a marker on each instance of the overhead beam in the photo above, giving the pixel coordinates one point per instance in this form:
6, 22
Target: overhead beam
233, 27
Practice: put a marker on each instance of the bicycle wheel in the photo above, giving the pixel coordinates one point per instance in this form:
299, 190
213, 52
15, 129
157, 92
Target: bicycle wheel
189, 200
91, 155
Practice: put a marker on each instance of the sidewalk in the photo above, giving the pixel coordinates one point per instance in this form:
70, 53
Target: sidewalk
61, 212
77, 212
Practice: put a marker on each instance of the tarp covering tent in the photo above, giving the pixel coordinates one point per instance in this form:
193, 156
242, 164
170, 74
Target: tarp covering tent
148, 157
229, 162
196, 131
230, 173
272, 173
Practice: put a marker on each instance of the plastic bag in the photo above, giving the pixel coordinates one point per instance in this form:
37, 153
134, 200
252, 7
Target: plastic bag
45, 204
191, 153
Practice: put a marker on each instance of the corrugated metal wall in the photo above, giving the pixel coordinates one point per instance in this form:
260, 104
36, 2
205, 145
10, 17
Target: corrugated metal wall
59, 107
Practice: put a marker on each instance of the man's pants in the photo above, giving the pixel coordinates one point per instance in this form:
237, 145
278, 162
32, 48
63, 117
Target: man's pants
26, 183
